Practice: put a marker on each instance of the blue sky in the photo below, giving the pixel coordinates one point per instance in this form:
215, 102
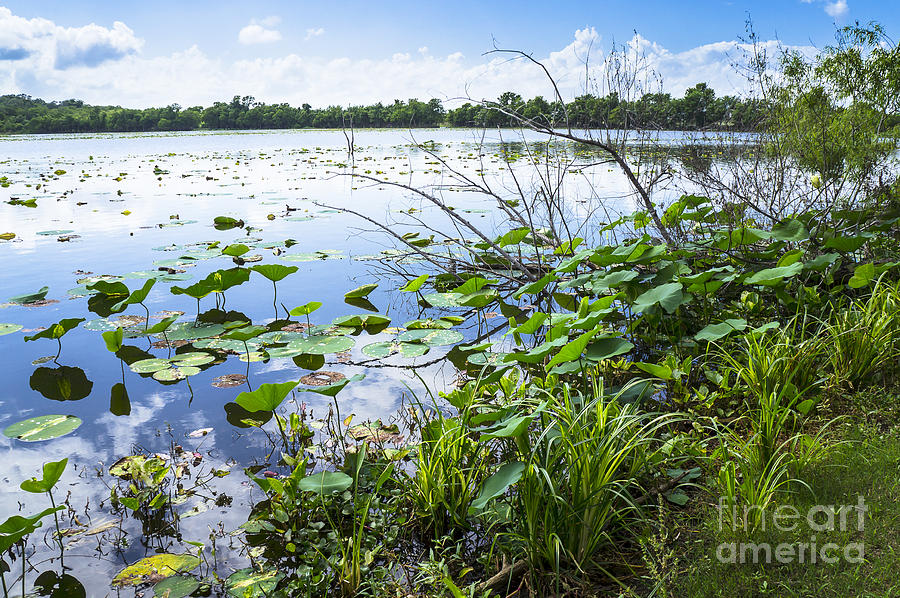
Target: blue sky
155, 53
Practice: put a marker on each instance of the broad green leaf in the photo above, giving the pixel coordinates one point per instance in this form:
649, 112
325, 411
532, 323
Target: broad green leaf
56, 331
714, 332
331, 390
235, 250
274, 272
572, 351
43, 427
362, 291
668, 296
773, 276
30, 297
306, 308
52, 471
265, 398
499, 483
9, 328
326, 482
605, 348
862, 276
250, 583
658, 371
415, 284
155, 568
113, 339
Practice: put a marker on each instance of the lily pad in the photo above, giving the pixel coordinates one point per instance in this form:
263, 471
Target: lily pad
150, 366
250, 583
43, 427
194, 358
30, 297
178, 586
188, 331
323, 345
175, 373
155, 568
444, 299
9, 328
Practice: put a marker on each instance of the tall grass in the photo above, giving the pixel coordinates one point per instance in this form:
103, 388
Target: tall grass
864, 339
584, 478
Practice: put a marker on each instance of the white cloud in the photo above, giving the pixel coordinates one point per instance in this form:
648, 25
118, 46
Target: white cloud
257, 33
192, 77
836, 9
44, 43
314, 32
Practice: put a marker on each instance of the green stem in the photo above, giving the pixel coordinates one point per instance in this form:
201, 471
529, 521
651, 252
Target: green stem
3, 581
62, 549
58, 342
23, 567
275, 298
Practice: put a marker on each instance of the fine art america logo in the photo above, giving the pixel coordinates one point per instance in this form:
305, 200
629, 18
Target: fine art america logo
786, 518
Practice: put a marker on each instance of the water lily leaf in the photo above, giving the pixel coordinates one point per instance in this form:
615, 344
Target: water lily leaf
43, 427
245, 334
663, 372
362, 291
323, 345
326, 482
188, 331
309, 362
847, 244
155, 568
57, 330
198, 290
51, 472
274, 272
773, 276
30, 297
605, 348
113, 339
9, 328
235, 250
150, 366
668, 296
498, 483
175, 373
193, 358
862, 276
250, 583
306, 308
443, 299
415, 284
265, 398
714, 332
388, 348
226, 222
332, 390
177, 586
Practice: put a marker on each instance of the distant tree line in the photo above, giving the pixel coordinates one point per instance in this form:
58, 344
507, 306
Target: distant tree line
699, 109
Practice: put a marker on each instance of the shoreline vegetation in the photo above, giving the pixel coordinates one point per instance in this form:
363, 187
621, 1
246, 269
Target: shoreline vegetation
661, 389
700, 109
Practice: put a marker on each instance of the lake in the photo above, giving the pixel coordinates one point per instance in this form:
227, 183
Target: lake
131, 207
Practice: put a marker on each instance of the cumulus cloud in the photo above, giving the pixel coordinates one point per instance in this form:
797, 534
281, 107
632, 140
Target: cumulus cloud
193, 77
314, 32
258, 32
49, 45
836, 9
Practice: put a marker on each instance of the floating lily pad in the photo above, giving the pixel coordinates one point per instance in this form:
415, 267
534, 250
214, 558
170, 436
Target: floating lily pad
155, 568
175, 373
188, 331
30, 297
149, 366
444, 299
386, 349
178, 586
9, 328
54, 233
438, 338
194, 358
43, 427
322, 378
250, 583
253, 356
322, 345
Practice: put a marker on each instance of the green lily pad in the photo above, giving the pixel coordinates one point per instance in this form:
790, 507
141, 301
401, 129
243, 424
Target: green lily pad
386, 349
9, 328
177, 586
54, 233
188, 331
149, 366
175, 373
250, 583
322, 345
444, 299
193, 358
30, 297
156, 567
43, 427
